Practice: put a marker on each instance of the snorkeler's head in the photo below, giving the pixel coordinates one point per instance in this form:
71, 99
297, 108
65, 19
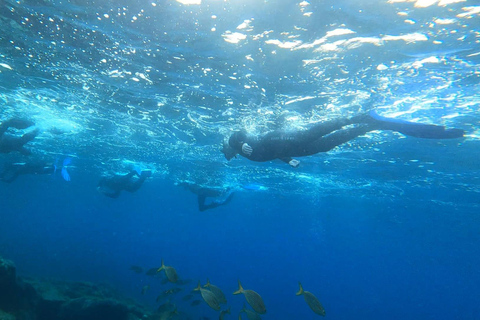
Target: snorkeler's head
237, 139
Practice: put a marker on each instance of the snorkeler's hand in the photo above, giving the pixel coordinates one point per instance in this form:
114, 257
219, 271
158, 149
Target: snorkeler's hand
294, 163
247, 149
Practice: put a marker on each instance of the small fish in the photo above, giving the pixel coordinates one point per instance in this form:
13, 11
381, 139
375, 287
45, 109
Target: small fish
173, 291
136, 269
223, 313
217, 292
253, 299
145, 289
170, 272
168, 292
195, 303
151, 272
168, 314
166, 307
208, 297
312, 301
251, 315
187, 297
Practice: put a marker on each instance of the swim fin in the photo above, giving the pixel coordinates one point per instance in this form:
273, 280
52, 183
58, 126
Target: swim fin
65, 174
138, 170
418, 130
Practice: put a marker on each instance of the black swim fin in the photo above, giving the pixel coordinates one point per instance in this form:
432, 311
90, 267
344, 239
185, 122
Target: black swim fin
418, 130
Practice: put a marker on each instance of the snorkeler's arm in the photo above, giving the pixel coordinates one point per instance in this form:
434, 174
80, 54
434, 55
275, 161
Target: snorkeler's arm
292, 162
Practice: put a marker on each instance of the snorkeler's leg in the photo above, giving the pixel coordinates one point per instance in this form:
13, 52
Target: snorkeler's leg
133, 186
335, 139
201, 202
202, 206
323, 128
27, 137
15, 123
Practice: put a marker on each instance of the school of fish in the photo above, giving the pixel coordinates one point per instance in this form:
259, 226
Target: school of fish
213, 296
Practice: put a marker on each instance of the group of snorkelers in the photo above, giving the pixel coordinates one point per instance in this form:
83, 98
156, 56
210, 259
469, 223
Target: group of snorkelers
281, 145
109, 185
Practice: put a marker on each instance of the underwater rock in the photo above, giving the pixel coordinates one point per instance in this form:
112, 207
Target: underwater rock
16, 297
6, 316
92, 309
36, 299
82, 300
8, 275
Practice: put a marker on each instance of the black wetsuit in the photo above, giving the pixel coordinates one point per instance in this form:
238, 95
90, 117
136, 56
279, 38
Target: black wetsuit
327, 135
112, 186
12, 171
224, 196
9, 143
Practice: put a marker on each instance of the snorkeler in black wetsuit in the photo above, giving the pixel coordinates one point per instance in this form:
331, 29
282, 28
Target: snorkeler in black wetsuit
9, 143
324, 137
224, 196
112, 186
12, 171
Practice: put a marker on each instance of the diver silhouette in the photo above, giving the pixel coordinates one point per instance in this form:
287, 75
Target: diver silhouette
11, 171
10, 143
112, 186
220, 196
324, 136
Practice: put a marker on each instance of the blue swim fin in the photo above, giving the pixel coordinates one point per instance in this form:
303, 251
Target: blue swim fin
138, 170
65, 174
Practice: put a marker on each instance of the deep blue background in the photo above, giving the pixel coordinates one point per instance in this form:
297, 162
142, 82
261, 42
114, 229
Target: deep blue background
362, 258
384, 227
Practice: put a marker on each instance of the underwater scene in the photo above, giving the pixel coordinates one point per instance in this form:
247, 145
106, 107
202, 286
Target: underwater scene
239, 159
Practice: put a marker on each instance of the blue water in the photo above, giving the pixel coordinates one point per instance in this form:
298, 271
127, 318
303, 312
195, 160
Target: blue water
383, 227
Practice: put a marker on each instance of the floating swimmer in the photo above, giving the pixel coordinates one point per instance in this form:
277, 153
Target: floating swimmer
253, 299
209, 197
12, 171
251, 315
223, 313
170, 272
209, 297
324, 136
112, 186
312, 301
217, 292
